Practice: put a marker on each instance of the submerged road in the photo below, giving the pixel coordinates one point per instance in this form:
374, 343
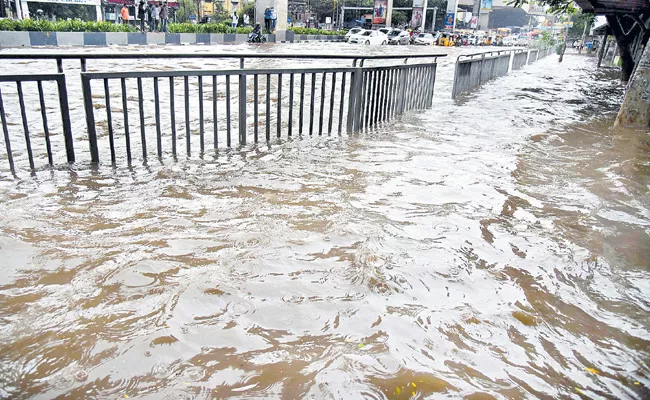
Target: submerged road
492, 247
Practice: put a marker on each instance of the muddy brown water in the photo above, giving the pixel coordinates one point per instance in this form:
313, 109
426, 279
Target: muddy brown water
493, 247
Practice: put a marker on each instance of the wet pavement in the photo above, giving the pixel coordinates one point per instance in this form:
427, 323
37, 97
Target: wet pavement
492, 247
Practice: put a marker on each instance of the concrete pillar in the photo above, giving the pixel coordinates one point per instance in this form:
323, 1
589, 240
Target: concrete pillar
282, 9
635, 111
424, 15
389, 13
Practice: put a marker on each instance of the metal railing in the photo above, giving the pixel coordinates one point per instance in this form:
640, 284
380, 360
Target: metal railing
519, 59
473, 70
62, 95
177, 112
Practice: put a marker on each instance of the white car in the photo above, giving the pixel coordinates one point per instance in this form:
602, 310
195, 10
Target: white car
425, 39
369, 37
510, 41
523, 40
351, 32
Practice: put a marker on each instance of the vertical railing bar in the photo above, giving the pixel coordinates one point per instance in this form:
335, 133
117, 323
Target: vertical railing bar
142, 129
215, 120
46, 129
311, 104
109, 120
376, 98
384, 102
201, 124
90, 119
367, 89
242, 105
332, 95
341, 105
279, 121
256, 121
291, 85
156, 99
228, 133
188, 142
322, 103
65, 117
172, 113
382, 96
23, 114
125, 112
268, 107
5, 131
302, 101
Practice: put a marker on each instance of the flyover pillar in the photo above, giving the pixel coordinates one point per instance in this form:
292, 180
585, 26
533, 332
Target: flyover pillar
389, 13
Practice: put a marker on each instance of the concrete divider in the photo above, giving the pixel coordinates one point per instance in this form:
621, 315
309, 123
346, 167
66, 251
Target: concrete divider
36, 39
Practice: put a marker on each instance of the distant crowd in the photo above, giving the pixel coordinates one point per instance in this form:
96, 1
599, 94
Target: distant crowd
155, 15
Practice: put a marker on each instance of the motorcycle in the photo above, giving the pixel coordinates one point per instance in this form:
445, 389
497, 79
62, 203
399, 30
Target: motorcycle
256, 35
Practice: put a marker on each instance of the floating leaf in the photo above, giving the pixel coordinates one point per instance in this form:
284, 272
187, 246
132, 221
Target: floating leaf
413, 383
361, 345
593, 371
398, 391
578, 390
637, 383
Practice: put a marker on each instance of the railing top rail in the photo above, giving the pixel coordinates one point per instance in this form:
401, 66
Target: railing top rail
31, 78
485, 54
222, 72
88, 56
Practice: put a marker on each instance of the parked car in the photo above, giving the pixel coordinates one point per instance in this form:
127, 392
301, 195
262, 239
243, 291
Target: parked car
369, 37
399, 37
351, 32
523, 40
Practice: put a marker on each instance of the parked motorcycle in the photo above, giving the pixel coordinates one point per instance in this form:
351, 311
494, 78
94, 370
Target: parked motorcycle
256, 35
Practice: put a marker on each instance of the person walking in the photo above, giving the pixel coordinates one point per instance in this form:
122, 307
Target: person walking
267, 20
247, 21
141, 14
235, 20
164, 15
124, 13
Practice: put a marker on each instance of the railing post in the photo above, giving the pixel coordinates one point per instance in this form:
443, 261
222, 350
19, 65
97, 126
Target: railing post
59, 65
242, 106
90, 119
354, 101
453, 88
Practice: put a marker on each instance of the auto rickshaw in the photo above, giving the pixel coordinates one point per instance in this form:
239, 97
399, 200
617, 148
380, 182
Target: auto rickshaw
445, 40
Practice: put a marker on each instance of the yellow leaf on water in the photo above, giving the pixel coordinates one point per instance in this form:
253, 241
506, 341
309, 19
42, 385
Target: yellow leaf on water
413, 393
126, 396
361, 345
578, 390
637, 383
413, 383
398, 391
593, 371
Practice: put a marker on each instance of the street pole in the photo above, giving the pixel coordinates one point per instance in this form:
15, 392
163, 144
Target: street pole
582, 42
435, 14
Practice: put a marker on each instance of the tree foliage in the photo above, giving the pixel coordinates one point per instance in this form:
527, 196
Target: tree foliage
556, 6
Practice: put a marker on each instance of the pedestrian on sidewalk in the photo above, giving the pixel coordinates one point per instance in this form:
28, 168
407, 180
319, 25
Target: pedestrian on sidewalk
274, 18
141, 14
235, 20
155, 14
267, 20
247, 21
164, 15
150, 17
124, 13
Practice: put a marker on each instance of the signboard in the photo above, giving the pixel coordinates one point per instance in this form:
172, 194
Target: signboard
418, 3
474, 23
379, 13
449, 21
451, 6
486, 4
416, 17
328, 20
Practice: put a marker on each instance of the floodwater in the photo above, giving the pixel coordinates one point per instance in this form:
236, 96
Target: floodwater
493, 247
